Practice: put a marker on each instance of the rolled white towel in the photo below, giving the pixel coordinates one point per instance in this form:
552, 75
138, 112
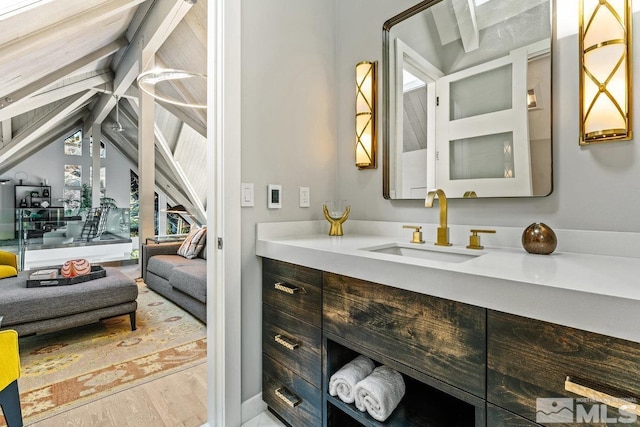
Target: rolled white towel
380, 392
344, 380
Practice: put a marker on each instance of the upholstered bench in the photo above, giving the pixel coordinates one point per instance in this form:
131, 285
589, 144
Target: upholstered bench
38, 310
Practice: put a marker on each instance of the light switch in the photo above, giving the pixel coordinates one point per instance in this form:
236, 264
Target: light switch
247, 196
305, 197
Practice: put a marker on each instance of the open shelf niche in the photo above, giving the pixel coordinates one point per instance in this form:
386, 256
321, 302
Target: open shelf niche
422, 404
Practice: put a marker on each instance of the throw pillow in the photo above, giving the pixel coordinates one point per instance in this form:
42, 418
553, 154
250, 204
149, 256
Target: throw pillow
193, 243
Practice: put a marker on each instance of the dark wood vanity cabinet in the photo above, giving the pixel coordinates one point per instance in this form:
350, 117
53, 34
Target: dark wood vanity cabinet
442, 338
463, 365
438, 345
531, 359
291, 342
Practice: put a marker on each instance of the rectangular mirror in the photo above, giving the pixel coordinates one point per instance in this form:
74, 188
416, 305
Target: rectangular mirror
467, 99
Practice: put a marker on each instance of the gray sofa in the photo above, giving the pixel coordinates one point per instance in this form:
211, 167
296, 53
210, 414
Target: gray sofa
181, 280
38, 310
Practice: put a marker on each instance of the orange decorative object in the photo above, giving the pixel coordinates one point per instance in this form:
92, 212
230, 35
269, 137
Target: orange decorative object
75, 267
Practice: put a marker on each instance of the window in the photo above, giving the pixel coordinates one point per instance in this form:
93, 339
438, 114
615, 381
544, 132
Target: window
103, 149
103, 177
72, 175
73, 144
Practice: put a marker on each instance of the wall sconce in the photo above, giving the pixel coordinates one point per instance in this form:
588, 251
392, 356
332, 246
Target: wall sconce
605, 77
366, 84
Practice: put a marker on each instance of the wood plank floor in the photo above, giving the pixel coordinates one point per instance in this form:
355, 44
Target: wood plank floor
177, 400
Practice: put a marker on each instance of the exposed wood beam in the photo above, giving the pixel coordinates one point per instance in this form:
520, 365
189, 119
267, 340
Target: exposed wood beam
7, 132
188, 119
177, 170
465, 11
184, 94
44, 98
160, 21
55, 33
163, 182
27, 91
180, 113
165, 151
43, 125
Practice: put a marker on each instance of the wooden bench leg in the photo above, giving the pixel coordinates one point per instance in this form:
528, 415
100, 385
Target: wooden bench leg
132, 318
10, 403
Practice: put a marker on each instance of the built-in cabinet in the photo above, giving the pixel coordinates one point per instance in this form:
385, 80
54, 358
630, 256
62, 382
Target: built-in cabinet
463, 365
438, 345
291, 342
530, 360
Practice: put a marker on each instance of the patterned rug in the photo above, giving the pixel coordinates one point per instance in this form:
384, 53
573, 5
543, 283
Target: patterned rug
65, 369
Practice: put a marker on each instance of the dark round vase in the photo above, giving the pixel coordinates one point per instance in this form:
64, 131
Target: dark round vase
539, 238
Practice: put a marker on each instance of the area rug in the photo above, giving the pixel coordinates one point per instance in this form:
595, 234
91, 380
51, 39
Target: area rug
64, 369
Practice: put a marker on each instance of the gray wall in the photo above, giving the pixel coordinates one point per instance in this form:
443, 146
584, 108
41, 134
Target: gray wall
49, 163
595, 187
298, 95
288, 134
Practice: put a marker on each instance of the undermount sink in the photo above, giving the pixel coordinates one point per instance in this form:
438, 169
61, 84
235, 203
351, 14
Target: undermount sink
431, 252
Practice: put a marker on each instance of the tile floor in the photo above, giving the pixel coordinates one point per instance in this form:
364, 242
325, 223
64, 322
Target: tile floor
265, 419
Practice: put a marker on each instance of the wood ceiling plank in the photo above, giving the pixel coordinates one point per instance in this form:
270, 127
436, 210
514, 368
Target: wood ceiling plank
47, 97
41, 126
57, 33
61, 73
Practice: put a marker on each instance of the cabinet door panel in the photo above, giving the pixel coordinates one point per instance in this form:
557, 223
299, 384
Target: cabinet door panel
529, 359
441, 338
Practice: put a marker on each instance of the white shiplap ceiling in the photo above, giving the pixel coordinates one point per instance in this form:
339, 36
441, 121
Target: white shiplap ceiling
62, 62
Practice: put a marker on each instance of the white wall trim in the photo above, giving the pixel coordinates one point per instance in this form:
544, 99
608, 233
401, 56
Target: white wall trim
253, 407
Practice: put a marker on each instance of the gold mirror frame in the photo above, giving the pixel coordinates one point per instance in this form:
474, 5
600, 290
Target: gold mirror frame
386, 107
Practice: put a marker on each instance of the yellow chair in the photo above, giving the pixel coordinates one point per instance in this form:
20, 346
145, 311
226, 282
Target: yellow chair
8, 264
9, 374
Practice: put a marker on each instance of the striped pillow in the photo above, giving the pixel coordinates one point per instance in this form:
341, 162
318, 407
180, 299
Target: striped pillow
193, 243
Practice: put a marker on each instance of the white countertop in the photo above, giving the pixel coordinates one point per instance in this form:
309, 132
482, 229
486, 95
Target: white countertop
598, 293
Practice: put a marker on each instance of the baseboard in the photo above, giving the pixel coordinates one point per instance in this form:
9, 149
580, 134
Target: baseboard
253, 407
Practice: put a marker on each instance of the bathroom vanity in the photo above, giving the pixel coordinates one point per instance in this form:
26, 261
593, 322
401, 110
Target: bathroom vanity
475, 347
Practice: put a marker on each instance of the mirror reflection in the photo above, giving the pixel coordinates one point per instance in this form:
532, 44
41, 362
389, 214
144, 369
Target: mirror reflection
467, 99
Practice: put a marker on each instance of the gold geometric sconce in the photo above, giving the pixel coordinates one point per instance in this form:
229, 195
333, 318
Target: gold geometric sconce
366, 145
605, 75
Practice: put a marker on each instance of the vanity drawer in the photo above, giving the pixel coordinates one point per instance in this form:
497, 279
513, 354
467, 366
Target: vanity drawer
498, 417
293, 343
441, 338
529, 359
293, 289
294, 399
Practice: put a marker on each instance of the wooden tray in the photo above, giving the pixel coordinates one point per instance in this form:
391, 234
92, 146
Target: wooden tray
96, 272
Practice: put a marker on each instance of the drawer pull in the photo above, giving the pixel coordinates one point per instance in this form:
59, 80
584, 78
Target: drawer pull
287, 397
286, 342
283, 287
587, 389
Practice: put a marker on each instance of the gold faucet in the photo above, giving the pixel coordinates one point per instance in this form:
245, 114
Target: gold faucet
443, 230
417, 234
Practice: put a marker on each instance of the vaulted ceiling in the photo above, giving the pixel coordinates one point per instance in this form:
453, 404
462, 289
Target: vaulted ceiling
64, 63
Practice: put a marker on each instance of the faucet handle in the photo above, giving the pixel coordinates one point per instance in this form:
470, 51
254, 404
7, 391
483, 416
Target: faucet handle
417, 234
474, 239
